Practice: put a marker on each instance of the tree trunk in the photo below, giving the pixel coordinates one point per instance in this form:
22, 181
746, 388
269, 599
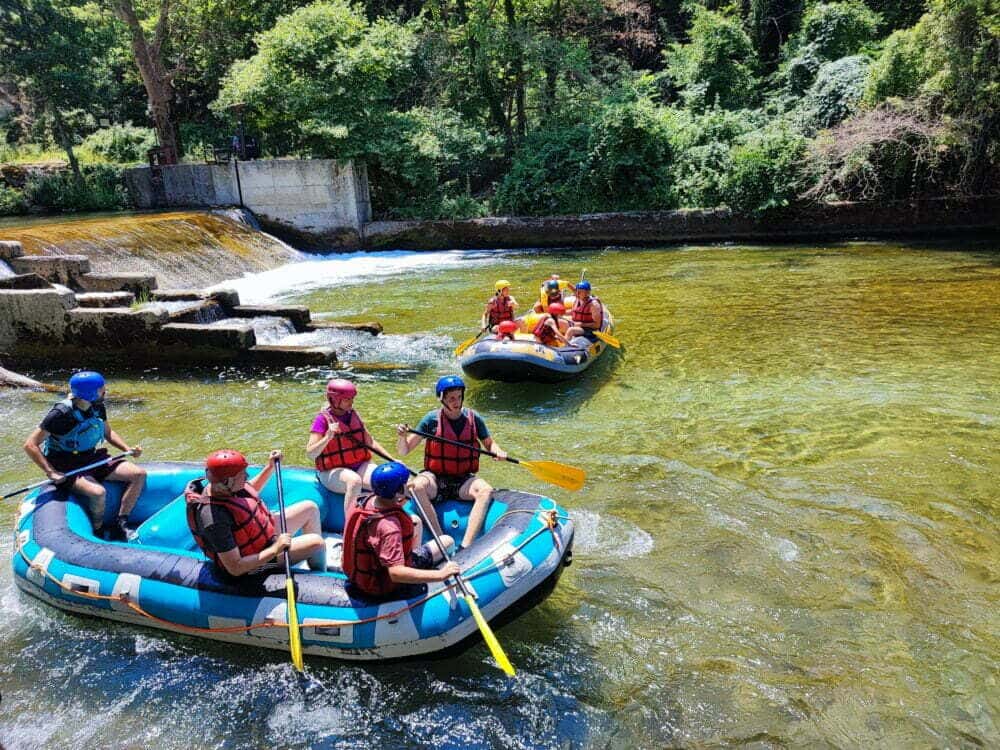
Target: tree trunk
480, 66
155, 77
65, 140
513, 33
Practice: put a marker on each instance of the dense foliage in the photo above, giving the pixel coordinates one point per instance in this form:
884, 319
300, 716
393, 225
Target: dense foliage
473, 107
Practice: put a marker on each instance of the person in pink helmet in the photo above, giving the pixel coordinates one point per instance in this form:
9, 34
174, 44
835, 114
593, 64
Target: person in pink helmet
340, 444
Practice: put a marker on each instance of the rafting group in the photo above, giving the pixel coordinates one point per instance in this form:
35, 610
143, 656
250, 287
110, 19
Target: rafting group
565, 331
138, 542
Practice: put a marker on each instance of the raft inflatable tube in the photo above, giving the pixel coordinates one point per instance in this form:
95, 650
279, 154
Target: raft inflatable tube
161, 579
525, 359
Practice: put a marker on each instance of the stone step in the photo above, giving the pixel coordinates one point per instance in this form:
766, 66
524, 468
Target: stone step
24, 281
10, 249
113, 326
297, 314
290, 356
372, 327
105, 299
229, 337
59, 269
139, 284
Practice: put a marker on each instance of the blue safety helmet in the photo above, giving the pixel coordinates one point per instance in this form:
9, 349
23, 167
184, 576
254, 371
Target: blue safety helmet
447, 383
86, 385
584, 285
388, 479
552, 285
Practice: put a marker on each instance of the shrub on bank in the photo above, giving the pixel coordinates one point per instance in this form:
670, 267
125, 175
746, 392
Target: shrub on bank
101, 188
767, 169
12, 201
122, 144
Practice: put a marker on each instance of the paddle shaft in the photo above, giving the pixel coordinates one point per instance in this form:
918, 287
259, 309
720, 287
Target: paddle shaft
68, 474
293, 640
483, 451
282, 523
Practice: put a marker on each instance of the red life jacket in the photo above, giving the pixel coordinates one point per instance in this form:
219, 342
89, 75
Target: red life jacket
545, 334
500, 309
347, 447
253, 527
582, 315
450, 460
361, 563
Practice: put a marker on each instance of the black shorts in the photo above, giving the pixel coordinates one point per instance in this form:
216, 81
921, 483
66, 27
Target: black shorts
448, 487
67, 462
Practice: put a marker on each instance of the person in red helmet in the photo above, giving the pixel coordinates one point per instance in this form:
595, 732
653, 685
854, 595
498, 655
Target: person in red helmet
506, 330
234, 527
340, 444
551, 329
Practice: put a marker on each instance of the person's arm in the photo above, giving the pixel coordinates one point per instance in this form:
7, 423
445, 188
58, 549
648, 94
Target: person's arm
406, 574
33, 447
318, 440
599, 316
114, 439
260, 481
491, 445
406, 441
513, 302
238, 565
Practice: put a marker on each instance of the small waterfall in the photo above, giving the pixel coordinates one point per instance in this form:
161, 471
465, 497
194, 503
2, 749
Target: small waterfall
5, 270
269, 329
181, 248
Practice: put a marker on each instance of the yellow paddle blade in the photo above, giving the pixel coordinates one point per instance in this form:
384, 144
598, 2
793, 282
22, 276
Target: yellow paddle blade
294, 637
561, 475
608, 339
491, 640
466, 344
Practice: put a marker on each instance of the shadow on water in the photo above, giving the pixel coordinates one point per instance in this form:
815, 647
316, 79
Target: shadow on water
544, 399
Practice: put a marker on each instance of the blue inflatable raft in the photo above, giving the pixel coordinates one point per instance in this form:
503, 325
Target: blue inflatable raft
161, 579
524, 359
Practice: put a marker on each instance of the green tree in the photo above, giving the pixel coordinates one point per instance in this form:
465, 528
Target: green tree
717, 65
838, 29
771, 23
54, 50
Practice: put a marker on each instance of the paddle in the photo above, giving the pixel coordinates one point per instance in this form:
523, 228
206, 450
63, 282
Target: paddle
484, 627
294, 637
561, 475
608, 339
68, 474
468, 342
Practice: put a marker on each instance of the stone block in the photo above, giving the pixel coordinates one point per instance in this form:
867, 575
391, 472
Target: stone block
373, 327
177, 295
113, 326
34, 315
290, 356
229, 337
59, 269
10, 249
297, 314
228, 298
139, 284
24, 281
105, 299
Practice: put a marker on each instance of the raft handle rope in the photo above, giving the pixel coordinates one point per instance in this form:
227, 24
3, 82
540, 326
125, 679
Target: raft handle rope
124, 598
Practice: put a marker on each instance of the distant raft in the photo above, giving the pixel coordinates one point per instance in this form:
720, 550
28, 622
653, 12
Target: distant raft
161, 579
525, 359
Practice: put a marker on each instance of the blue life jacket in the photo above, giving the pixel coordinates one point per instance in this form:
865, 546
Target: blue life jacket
86, 435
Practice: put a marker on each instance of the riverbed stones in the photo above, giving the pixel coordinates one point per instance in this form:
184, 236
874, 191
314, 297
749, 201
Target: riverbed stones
59, 269
373, 327
9, 249
114, 326
139, 284
24, 281
298, 315
105, 299
291, 356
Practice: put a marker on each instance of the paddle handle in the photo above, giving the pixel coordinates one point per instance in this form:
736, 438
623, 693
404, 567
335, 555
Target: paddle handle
68, 474
282, 523
482, 451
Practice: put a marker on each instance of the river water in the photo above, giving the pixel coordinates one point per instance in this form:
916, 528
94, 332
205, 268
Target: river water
788, 537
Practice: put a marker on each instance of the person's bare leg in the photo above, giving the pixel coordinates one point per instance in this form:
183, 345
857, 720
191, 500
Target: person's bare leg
304, 516
480, 493
425, 490
135, 479
96, 497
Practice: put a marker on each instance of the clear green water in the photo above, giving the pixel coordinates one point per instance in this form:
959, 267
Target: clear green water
789, 536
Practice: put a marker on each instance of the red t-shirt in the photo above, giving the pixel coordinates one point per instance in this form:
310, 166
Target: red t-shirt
386, 539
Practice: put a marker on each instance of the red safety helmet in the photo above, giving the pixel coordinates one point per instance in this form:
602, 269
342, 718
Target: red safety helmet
340, 388
506, 328
224, 464
557, 309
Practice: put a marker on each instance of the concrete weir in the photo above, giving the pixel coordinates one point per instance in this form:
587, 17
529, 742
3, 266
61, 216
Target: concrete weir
95, 317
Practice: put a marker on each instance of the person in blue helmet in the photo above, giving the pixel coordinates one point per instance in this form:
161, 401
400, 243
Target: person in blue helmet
587, 313
450, 471
381, 552
69, 437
